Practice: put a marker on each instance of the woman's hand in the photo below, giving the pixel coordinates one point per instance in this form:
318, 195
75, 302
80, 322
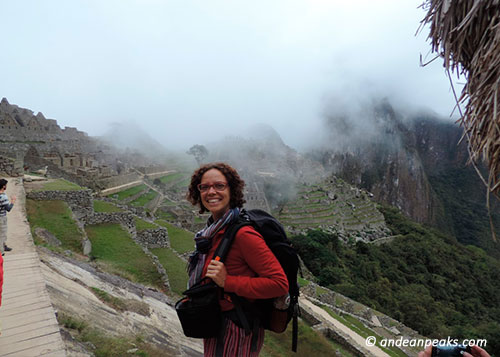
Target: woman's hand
217, 272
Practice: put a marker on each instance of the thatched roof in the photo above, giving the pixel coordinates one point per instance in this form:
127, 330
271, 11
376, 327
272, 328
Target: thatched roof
466, 33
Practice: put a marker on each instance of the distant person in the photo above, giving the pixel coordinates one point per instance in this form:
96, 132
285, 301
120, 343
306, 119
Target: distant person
250, 270
476, 351
5, 206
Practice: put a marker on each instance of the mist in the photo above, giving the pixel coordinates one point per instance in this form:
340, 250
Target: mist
193, 72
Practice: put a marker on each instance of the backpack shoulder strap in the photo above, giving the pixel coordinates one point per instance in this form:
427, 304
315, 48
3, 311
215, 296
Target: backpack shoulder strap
220, 255
225, 244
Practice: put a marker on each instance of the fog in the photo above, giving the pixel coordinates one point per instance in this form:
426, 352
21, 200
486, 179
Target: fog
191, 72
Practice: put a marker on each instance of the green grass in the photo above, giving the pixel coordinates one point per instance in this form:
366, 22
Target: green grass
103, 206
114, 302
105, 344
199, 219
180, 239
167, 216
167, 202
310, 343
141, 224
129, 192
172, 177
112, 246
55, 216
184, 183
302, 282
144, 199
175, 267
59, 185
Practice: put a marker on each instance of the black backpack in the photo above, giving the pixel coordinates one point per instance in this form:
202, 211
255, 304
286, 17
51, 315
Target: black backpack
275, 237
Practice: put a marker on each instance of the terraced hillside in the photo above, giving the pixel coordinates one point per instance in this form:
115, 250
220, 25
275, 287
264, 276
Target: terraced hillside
336, 206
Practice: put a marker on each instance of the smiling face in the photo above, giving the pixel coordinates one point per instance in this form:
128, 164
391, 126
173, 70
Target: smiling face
217, 202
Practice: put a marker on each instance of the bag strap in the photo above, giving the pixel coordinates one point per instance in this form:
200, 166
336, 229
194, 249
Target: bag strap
221, 254
225, 244
295, 323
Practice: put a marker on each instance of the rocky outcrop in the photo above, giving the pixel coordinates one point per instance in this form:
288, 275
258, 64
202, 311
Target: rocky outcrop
70, 285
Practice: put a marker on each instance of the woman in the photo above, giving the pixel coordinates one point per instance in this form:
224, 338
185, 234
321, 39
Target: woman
250, 270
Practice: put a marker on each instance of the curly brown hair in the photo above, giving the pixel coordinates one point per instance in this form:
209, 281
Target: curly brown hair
236, 185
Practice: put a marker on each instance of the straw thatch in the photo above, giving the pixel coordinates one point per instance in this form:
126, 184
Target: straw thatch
466, 33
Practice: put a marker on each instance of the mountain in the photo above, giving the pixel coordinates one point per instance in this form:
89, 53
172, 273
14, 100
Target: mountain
415, 163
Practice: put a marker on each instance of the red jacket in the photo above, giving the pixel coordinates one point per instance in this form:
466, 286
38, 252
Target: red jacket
1, 278
252, 269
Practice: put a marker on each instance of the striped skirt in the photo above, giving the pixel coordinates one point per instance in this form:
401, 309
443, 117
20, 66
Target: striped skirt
235, 342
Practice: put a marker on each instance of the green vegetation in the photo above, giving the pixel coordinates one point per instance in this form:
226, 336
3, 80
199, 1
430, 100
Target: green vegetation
71, 322
167, 202
175, 267
199, 219
106, 345
172, 177
129, 192
56, 217
424, 279
119, 254
141, 224
167, 216
356, 326
180, 239
302, 282
144, 199
311, 343
103, 206
110, 300
464, 212
59, 185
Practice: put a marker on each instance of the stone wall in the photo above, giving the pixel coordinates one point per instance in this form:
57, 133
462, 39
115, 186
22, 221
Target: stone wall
80, 202
124, 218
11, 167
154, 238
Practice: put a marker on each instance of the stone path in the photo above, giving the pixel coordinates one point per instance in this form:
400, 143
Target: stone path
29, 325
336, 325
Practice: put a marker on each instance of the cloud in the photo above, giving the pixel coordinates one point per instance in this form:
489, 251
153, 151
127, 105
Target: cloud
191, 71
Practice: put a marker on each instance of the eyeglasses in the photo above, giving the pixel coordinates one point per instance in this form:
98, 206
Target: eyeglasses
218, 186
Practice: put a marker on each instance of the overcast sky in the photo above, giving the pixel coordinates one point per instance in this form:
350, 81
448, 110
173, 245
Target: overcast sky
190, 71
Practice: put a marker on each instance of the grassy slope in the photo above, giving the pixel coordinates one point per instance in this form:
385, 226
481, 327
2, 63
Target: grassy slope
60, 185
129, 192
171, 177
141, 224
175, 267
55, 216
103, 206
144, 199
121, 255
180, 239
